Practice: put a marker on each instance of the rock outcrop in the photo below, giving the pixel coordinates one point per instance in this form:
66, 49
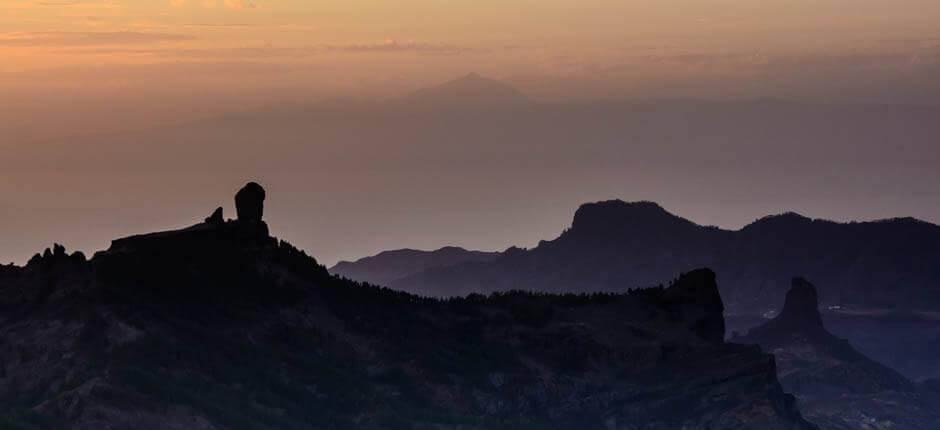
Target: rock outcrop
217, 217
249, 203
694, 299
837, 386
801, 305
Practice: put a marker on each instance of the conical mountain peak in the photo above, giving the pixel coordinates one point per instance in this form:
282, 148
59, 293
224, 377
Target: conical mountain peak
469, 90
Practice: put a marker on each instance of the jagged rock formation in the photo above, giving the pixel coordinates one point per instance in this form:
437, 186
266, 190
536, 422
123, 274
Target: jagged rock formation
222, 326
217, 217
838, 387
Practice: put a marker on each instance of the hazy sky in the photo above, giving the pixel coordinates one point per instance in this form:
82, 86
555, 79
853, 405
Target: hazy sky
387, 45
119, 71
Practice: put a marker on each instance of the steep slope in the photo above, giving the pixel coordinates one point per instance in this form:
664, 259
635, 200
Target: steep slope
220, 326
838, 387
614, 245
389, 266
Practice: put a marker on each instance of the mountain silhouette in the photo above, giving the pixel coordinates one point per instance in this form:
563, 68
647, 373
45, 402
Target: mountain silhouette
837, 386
389, 266
471, 90
219, 325
615, 245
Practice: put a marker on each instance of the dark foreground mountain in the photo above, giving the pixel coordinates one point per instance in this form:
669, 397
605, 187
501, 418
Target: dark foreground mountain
390, 266
837, 386
614, 245
220, 326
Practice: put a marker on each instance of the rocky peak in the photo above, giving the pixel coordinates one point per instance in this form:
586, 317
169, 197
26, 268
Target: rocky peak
55, 255
802, 304
694, 297
613, 217
249, 230
249, 203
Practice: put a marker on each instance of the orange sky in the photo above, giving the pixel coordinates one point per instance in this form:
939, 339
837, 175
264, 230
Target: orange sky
344, 45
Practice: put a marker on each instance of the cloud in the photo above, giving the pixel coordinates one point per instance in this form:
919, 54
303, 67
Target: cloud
84, 4
231, 4
239, 4
79, 39
391, 45
285, 52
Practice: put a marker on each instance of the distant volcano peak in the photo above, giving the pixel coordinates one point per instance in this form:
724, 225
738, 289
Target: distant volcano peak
472, 89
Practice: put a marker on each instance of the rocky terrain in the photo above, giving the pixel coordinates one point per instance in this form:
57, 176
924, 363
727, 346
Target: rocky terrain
837, 387
220, 326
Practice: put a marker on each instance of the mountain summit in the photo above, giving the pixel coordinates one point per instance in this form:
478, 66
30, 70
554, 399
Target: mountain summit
221, 326
471, 90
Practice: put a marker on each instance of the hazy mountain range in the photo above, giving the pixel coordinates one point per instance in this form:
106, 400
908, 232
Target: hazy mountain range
387, 267
615, 245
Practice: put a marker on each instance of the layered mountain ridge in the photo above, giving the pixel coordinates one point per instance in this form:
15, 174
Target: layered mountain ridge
388, 266
221, 326
615, 245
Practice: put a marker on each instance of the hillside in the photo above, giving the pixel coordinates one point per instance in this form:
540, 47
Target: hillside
838, 387
221, 326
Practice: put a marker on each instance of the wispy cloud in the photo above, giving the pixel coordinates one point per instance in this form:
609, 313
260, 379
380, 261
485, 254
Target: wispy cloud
231, 4
285, 52
73, 39
390, 45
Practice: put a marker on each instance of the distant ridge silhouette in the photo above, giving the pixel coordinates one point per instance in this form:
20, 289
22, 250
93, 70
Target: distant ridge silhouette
389, 266
471, 90
615, 245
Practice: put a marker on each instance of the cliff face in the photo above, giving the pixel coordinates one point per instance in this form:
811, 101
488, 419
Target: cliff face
837, 386
220, 326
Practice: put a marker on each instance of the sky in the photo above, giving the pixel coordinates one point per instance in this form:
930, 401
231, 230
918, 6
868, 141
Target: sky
384, 46
91, 78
